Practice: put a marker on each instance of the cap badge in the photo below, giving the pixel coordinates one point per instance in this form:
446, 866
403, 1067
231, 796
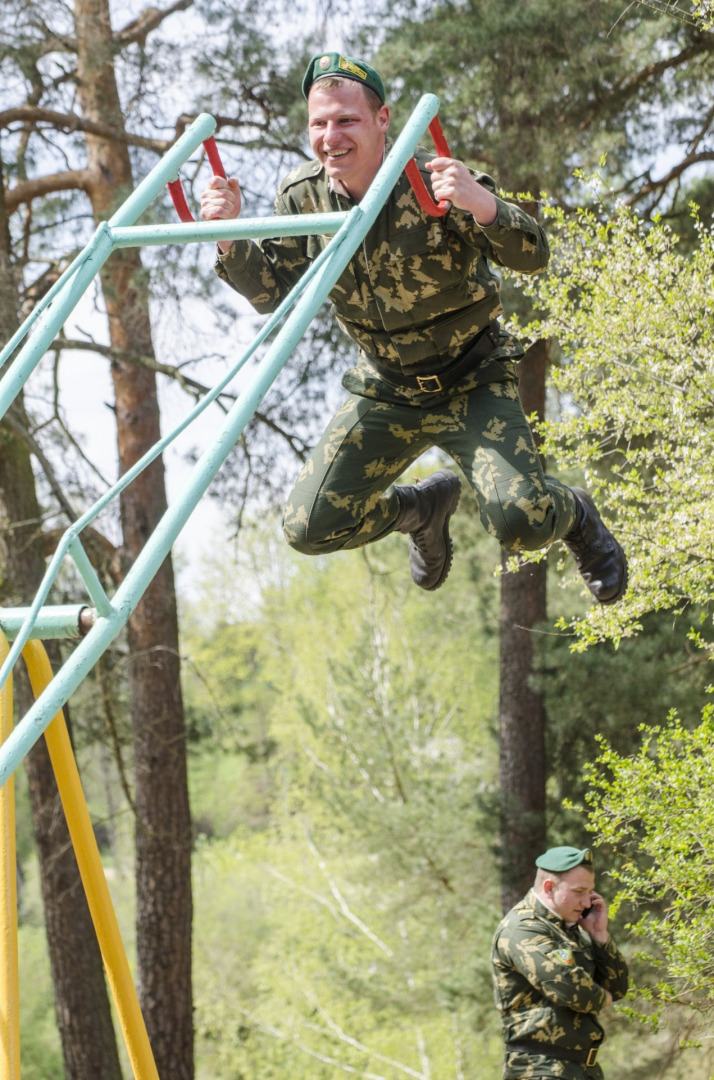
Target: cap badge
347, 65
324, 62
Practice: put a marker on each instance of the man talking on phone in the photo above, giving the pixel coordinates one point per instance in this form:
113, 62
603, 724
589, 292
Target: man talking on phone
555, 968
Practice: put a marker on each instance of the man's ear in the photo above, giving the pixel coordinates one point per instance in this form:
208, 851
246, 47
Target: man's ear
383, 117
548, 886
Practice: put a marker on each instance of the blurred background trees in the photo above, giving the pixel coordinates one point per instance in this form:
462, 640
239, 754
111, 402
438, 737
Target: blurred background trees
354, 835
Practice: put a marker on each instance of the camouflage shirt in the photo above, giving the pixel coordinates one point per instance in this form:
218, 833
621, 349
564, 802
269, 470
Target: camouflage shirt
549, 982
418, 288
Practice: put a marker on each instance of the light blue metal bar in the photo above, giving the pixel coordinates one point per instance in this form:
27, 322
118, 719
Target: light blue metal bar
236, 229
60, 621
338, 254
181, 232
60, 302
167, 169
67, 540
23, 330
89, 577
53, 317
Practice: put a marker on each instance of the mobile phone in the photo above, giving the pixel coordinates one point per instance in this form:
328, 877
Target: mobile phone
586, 912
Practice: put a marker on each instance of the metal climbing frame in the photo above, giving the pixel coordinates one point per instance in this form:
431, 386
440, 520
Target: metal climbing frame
103, 617
79, 824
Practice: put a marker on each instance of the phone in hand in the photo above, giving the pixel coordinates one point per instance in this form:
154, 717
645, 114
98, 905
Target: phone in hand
584, 914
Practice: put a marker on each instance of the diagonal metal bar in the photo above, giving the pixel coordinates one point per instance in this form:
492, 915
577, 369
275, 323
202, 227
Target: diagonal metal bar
54, 308
337, 255
67, 543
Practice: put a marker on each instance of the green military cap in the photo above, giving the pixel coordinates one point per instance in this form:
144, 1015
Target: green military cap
346, 67
560, 859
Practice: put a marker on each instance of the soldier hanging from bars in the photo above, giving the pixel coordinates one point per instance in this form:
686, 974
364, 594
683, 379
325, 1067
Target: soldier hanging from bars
436, 368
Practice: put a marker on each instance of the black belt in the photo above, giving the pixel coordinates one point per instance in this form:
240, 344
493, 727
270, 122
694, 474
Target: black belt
478, 349
583, 1057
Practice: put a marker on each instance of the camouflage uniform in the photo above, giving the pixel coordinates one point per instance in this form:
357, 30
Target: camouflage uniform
413, 298
549, 983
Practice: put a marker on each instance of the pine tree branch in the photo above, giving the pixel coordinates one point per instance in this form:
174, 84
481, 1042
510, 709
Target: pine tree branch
108, 696
18, 426
693, 156
334, 1029
191, 386
658, 187
150, 18
196, 389
343, 906
327, 1059
70, 122
103, 554
625, 89
24, 192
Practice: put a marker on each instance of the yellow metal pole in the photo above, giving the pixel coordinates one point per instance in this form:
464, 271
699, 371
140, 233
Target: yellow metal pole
92, 873
9, 974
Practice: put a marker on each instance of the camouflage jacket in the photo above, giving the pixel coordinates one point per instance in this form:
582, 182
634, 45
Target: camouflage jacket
417, 290
549, 982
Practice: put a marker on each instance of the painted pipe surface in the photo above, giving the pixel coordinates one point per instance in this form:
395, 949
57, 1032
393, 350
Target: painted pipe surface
234, 229
9, 959
59, 304
337, 255
92, 873
59, 621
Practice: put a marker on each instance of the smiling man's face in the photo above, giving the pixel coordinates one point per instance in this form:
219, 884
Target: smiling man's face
346, 135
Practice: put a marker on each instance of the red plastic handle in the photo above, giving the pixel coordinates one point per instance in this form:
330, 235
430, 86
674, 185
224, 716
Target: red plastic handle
416, 180
176, 191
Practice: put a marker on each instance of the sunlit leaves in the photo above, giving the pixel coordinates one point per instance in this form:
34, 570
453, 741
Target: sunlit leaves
632, 316
656, 809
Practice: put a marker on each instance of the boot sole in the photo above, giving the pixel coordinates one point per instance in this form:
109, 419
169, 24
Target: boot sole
585, 497
448, 543
623, 586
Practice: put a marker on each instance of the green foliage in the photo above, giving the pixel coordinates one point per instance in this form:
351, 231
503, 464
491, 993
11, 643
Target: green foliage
696, 13
366, 893
656, 809
343, 758
699, 193
348, 924
39, 1039
40, 1046
614, 693
633, 319
703, 11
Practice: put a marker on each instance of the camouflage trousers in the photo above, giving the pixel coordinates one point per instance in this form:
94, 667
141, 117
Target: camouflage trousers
344, 496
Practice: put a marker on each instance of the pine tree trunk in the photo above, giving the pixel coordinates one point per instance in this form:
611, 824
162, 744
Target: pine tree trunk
81, 998
521, 708
163, 826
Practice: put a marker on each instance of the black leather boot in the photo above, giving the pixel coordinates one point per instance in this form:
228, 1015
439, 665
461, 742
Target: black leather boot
424, 514
597, 554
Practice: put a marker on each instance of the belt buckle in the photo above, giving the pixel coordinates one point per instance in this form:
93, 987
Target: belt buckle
592, 1057
424, 380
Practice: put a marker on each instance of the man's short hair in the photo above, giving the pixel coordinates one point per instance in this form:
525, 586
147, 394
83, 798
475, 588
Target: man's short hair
332, 82
545, 875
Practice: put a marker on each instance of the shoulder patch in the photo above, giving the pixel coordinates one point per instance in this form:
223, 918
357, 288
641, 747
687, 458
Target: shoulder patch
564, 956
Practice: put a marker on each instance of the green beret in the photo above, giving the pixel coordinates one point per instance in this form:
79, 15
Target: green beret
346, 67
560, 859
